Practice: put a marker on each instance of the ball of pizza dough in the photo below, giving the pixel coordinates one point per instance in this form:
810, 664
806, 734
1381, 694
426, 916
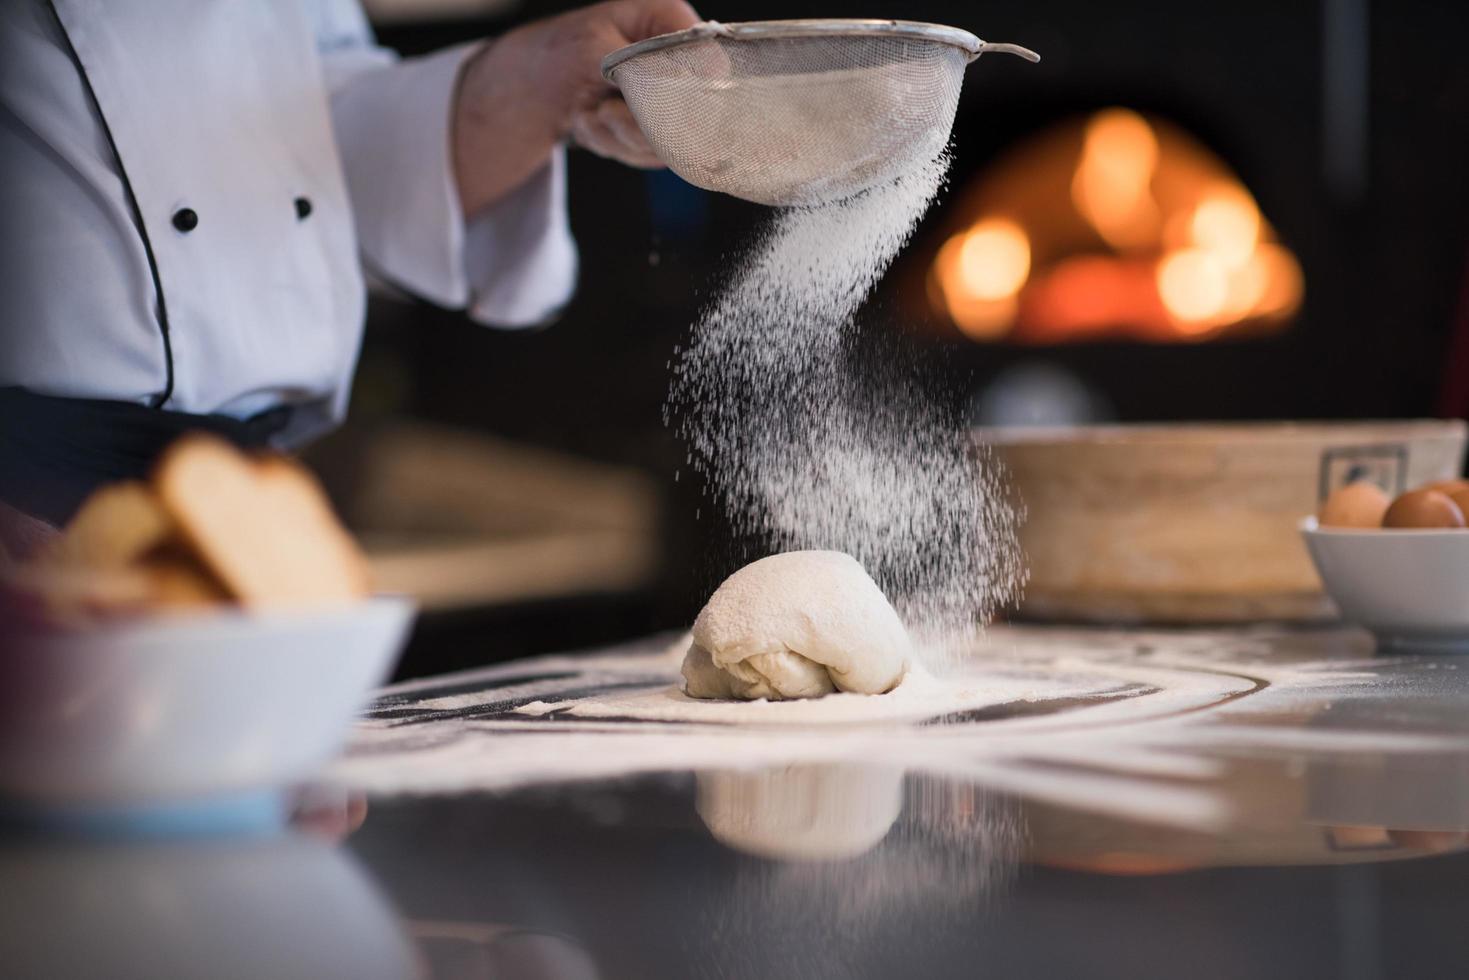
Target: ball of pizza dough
797, 625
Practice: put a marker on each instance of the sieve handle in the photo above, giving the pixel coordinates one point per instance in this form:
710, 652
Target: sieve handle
985, 47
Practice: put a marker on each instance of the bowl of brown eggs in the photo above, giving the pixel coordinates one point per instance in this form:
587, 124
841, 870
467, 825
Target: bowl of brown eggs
1398, 566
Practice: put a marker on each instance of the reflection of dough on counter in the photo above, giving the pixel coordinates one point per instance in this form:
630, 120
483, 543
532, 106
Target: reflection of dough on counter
796, 625
802, 813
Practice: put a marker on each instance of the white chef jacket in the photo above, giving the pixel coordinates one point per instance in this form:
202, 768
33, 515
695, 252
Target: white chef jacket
191, 189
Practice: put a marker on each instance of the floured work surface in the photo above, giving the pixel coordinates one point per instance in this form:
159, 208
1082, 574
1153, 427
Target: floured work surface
1107, 720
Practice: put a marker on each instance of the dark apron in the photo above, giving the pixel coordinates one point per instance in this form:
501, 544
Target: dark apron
55, 451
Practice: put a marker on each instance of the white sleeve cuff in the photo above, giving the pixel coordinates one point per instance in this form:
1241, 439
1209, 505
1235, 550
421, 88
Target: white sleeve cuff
515, 263
519, 253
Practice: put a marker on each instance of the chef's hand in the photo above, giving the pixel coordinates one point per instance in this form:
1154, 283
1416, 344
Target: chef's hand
540, 84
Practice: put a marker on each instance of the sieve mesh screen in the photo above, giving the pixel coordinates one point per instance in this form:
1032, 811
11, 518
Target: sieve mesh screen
799, 118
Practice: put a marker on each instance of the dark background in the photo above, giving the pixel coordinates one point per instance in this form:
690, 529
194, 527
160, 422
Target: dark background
1278, 90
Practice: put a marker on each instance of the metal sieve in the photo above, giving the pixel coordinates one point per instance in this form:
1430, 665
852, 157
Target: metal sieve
797, 112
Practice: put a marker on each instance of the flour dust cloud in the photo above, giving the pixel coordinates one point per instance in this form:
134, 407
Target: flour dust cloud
807, 444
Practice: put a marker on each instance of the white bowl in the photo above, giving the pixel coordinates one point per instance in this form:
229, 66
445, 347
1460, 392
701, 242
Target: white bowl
188, 708
1409, 587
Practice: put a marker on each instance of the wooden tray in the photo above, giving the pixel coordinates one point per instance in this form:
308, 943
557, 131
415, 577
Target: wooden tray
1196, 523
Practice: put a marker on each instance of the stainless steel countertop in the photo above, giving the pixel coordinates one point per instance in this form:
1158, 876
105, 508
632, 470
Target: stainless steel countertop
1304, 812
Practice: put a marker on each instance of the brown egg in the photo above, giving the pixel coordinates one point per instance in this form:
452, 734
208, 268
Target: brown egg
1423, 508
1449, 487
1461, 498
1359, 504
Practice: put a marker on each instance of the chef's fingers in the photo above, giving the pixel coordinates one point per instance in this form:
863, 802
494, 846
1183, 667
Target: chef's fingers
639, 19
589, 134
618, 118
636, 20
591, 130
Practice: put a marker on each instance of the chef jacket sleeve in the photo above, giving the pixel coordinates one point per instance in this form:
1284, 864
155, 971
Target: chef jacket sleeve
512, 264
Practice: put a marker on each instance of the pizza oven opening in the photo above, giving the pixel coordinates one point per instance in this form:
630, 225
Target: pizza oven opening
1115, 225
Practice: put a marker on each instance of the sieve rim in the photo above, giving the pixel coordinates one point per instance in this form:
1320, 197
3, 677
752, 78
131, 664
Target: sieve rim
817, 27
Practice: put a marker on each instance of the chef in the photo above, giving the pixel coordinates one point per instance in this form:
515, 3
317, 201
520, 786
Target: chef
193, 193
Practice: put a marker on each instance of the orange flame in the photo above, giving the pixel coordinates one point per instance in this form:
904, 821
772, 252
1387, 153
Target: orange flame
1112, 185
1186, 254
980, 274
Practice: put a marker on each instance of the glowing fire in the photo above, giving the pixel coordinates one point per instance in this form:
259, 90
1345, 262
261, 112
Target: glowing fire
1111, 187
1123, 225
982, 271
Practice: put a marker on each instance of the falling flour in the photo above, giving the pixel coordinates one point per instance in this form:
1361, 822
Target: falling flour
807, 444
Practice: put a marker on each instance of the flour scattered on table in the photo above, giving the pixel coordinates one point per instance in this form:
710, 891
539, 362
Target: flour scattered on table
1128, 722
921, 697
